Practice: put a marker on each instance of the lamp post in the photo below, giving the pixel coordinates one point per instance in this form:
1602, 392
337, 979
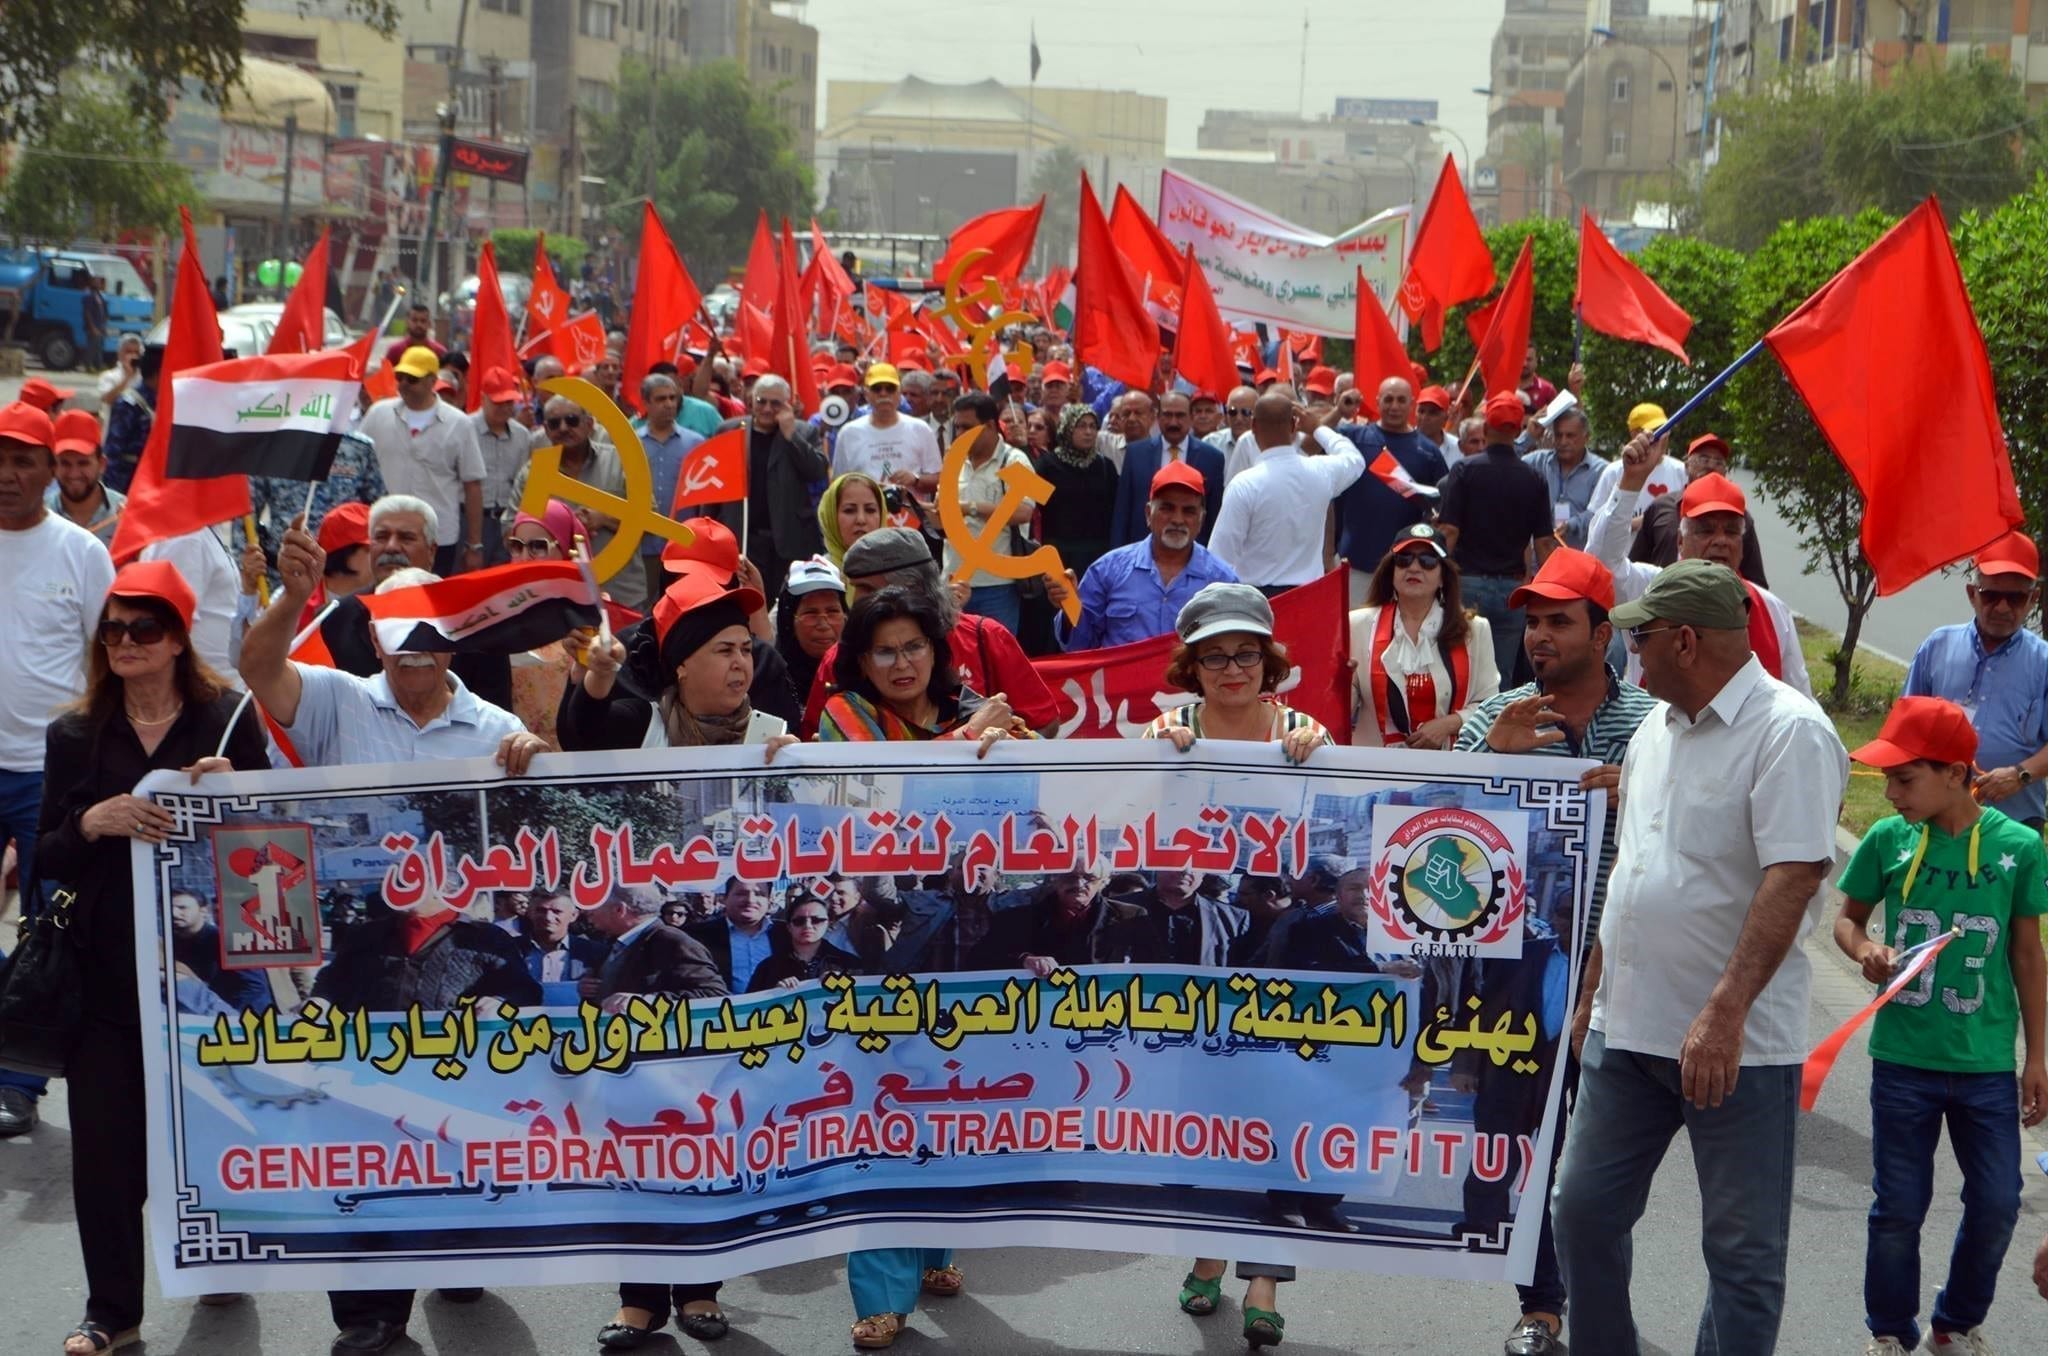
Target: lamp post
291, 142
1437, 126
1677, 96
1542, 141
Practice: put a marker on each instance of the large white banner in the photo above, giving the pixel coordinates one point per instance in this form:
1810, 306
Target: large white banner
1266, 269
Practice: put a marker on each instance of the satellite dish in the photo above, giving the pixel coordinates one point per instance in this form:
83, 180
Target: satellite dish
834, 411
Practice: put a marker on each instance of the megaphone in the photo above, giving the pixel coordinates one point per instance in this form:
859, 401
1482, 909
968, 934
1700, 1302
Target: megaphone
834, 410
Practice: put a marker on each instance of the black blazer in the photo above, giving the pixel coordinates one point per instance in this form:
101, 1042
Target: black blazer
663, 960
714, 936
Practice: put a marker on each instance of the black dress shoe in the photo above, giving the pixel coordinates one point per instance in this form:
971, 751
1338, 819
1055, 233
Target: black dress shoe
17, 1112
463, 1294
1326, 1218
1534, 1339
376, 1335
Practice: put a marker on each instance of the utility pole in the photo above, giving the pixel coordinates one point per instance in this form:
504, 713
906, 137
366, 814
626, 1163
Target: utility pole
429, 266
496, 67
291, 139
1301, 82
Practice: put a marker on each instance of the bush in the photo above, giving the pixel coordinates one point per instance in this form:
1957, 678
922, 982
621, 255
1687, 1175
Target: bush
515, 247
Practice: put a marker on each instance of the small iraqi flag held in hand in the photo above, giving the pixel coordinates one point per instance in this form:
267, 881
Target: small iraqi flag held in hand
1392, 474
503, 610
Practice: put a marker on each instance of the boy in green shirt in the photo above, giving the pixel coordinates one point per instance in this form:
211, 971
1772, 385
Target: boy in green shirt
1943, 1047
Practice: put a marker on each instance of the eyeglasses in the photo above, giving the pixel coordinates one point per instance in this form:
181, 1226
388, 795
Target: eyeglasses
769, 402
2009, 597
143, 631
882, 388
1426, 560
808, 921
1236, 413
1244, 659
890, 657
562, 420
1638, 634
519, 546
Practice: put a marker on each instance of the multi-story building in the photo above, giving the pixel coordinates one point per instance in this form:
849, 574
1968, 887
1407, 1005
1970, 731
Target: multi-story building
779, 50
1624, 103
1521, 172
1327, 173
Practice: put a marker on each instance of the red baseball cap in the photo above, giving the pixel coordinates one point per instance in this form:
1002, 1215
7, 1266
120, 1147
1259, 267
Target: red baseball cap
1180, 474
345, 526
1052, 372
445, 384
499, 385
1921, 727
44, 396
76, 431
699, 584
1566, 575
1708, 440
158, 579
1714, 493
1434, 395
1265, 375
1504, 409
842, 374
715, 545
1321, 381
23, 422
2013, 553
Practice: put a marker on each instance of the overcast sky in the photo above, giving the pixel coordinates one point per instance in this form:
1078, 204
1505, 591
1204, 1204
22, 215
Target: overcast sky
1198, 54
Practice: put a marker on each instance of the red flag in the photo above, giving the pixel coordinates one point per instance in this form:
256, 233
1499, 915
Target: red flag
1506, 344
1283, 364
577, 344
490, 339
159, 507
1244, 348
302, 328
1863, 352
753, 329
548, 304
378, 378
1449, 263
1007, 234
1201, 344
665, 298
1306, 348
1376, 351
1113, 332
826, 286
1150, 254
762, 277
714, 472
789, 344
1618, 299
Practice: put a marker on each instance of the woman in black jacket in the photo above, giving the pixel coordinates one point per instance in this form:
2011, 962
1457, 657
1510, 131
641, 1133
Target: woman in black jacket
150, 704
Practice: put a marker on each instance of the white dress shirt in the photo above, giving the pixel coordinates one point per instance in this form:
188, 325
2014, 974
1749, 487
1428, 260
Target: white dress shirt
1706, 806
1405, 655
1270, 528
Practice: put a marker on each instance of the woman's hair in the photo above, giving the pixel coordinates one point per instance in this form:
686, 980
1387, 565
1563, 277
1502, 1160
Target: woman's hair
344, 560
1457, 622
1182, 668
868, 615
195, 680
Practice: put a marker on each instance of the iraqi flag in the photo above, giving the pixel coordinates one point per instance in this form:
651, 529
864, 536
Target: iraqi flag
504, 610
1392, 474
281, 415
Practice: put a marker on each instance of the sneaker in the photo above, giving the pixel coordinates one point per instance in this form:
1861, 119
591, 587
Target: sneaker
1885, 1346
1971, 1343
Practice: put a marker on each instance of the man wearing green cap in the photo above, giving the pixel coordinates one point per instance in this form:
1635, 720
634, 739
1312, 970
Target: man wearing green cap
1729, 795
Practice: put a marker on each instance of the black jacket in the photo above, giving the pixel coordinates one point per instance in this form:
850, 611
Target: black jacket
663, 960
465, 959
620, 720
794, 464
785, 965
1115, 932
715, 936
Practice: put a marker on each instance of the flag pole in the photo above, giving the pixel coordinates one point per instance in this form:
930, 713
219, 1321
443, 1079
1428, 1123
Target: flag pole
248, 695
1716, 384
262, 580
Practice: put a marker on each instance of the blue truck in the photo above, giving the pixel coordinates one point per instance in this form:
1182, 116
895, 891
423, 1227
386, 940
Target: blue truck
42, 302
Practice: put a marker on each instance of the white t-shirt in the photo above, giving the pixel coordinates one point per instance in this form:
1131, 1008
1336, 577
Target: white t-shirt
217, 584
984, 485
906, 445
1668, 476
57, 576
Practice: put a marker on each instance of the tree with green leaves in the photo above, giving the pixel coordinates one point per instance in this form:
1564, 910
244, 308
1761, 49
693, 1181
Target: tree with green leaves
706, 145
1779, 440
515, 249
1554, 262
1701, 278
93, 172
153, 44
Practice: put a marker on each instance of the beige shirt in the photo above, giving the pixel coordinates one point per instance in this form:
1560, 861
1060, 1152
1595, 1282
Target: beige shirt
984, 485
433, 464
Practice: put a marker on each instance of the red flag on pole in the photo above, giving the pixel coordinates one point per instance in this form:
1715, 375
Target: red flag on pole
1150, 254
1506, 343
1201, 343
827, 287
378, 378
759, 283
1450, 262
302, 328
789, 344
159, 507
1007, 234
490, 341
665, 298
1863, 352
1377, 351
1113, 332
714, 472
548, 304
1618, 299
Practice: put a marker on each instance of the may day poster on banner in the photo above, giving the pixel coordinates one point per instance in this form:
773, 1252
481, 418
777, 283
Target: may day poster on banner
1389, 1057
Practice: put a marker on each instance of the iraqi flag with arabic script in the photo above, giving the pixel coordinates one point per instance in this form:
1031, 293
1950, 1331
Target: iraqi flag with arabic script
279, 415
504, 610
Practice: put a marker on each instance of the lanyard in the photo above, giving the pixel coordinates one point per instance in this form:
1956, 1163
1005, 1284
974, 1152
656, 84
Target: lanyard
1920, 851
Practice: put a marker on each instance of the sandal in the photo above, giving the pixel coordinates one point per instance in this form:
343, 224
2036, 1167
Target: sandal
618, 1336
100, 1339
706, 1326
1200, 1297
877, 1330
1263, 1327
945, 1282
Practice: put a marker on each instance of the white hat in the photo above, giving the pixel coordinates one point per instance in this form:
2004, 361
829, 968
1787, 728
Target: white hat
816, 575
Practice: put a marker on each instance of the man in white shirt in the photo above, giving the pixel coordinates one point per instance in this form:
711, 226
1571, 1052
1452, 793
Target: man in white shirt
427, 448
1712, 520
1667, 475
885, 445
1693, 1012
57, 577
1268, 530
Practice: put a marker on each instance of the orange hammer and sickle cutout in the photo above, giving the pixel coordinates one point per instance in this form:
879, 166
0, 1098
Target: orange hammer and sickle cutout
636, 512
1020, 482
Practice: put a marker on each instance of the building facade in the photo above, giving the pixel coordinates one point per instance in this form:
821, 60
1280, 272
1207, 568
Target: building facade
1623, 118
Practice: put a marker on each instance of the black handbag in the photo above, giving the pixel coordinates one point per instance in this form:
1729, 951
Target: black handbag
42, 990
1031, 588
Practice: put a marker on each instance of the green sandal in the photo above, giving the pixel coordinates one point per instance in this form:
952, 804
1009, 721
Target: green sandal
1263, 1327
1200, 1297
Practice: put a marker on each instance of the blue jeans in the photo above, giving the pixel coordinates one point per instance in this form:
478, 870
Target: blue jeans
997, 602
1488, 594
1629, 1108
21, 806
1907, 1107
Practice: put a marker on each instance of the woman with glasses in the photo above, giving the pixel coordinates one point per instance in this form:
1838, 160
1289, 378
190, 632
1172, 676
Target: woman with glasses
150, 703
851, 507
1228, 657
809, 617
798, 951
1423, 662
1038, 433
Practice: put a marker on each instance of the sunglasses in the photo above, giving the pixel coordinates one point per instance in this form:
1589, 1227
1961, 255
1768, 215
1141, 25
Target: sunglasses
1236, 413
2009, 597
562, 420
143, 631
515, 546
1426, 560
807, 921
1244, 659
1638, 634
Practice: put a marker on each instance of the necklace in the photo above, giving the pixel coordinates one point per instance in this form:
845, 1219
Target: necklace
160, 720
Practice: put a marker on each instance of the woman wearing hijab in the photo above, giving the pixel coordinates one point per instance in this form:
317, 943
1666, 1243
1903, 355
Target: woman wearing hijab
1076, 516
852, 507
809, 615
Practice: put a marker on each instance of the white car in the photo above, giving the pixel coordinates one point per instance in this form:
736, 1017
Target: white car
247, 329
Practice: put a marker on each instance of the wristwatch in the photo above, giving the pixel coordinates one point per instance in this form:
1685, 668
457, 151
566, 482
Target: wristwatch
474, 546
2025, 776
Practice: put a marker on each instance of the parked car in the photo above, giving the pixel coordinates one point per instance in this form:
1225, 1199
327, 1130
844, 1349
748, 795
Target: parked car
516, 288
241, 336
335, 333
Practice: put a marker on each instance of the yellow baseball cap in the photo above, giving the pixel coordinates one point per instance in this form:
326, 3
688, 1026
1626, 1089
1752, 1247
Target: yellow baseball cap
882, 374
418, 361
1645, 416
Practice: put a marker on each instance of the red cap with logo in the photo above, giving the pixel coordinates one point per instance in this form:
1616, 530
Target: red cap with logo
1177, 475
22, 422
1714, 493
697, 585
1566, 575
499, 385
76, 431
1321, 381
1052, 372
1265, 375
345, 526
2013, 553
1706, 440
1921, 727
842, 374
158, 579
715, 545
1433, 395
1504, 409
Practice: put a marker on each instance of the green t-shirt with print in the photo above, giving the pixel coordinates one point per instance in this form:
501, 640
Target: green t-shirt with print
1962, 1014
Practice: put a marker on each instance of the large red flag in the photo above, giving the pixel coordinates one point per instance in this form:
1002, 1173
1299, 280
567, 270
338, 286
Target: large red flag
302, 328
157, 506
1150, 254
1007, 234
1201, 343
1863, 352
547, 306
713, 472
1449, 263
665, 299
1506, 343
826, 285
1113, 332
764, 270
1377, 351
490, 339
1617, 298
789, 343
